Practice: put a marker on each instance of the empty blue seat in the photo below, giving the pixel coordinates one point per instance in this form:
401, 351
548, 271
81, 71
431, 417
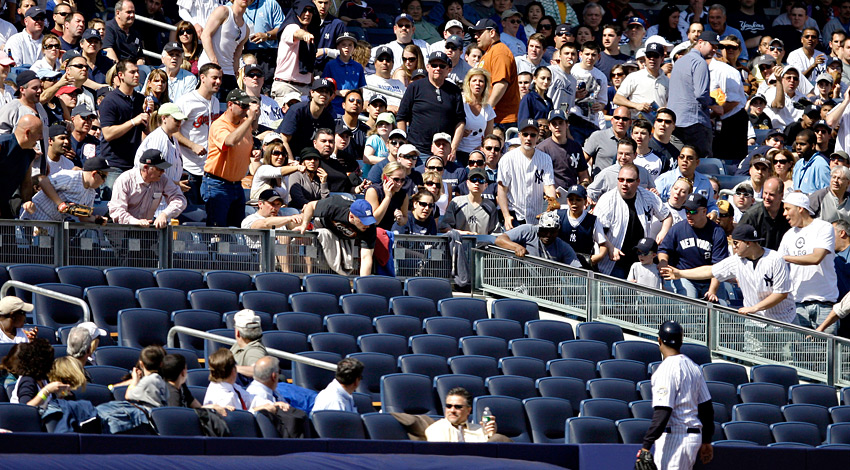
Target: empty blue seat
511, 386
264, 301
472, 383
17, 417
641, 409
314, 302
333, 284
56, 313
34, 274
424, 364
698, 353
203, 320
482, 366
216, 300
375, 366
550, 330
758, 412
722, 392
338, 343
182, 279
509, 412
536, 348
242, 424
162, 298
419, 307
428, 287
211, 346
609, 408
131, 278
106, 375
440, 345
140, 327
632, 430
467, 308
302, 322
775, 374
845, 396
628, 369
599, 331
807, 413
642, 351
384, 426
349, 323
546, 418
500, 328
569, 388
314, 378
393, 345
762, 392
748, 431
590, 430
802, 433
619, 389
118, 356
589, 349
838, 433
335, 424
814, 394
198, 378
369, 305
523, 366
456, 327
234, 281
840, 414
266, 322
82, 276
106, 302
289, 341
522, 311
385, 286
725, 372
401, 325
282, 283
407, 393
644, 388
581, 369
484, 346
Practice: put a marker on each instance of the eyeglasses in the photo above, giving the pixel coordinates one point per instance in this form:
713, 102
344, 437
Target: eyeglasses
254, 75
626, 180
622, 118
429, 205
277, 153
440, 66
456, 407
476, 163
397, 180
435, 168
410, 156
77, 66
691, 211
243, 105
783, 162
451, 48
664, 121
397, 143
529, 134
689, 158
52, 46
776, 48
477, 180
493, 149
355, 100
409, 59
384, 59
791, 77
102, 174
621, 74
431, 183
66, 13
821, 130
545, 26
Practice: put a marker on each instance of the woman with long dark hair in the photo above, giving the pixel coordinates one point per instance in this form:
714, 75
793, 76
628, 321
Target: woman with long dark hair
668, 24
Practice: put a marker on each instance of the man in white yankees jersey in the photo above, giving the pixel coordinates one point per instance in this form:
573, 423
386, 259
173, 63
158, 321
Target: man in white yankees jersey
683, 421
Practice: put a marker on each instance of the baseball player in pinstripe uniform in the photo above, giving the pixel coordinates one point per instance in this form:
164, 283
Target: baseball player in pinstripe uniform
683, 421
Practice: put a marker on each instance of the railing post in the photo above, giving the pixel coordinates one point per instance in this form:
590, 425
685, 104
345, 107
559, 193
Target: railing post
710, 329
60, 241
592, 296
832, 365
165, 237
267, 250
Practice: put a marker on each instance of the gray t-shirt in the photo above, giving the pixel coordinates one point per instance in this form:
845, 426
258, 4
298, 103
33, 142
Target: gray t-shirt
645, 274
464, 215
602, 146
560, 251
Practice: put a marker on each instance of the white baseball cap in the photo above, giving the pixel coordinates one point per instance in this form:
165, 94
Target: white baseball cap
799, 200
93, 330
246, 318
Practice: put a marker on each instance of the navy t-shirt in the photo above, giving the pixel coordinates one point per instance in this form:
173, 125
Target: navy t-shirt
118, 108
126, 46
300, 125
690, 247
427, 112
567, 161
416, 227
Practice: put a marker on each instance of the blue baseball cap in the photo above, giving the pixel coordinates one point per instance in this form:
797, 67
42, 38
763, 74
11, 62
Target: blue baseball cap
403, 16
557, 114
577, 190
363, 211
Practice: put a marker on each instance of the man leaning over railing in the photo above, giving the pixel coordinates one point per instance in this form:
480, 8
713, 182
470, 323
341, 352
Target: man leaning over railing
137, 193
74, 194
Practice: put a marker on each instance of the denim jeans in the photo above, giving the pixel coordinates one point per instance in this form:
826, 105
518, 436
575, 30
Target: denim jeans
688, 288
812, 314
225, 202
106, 188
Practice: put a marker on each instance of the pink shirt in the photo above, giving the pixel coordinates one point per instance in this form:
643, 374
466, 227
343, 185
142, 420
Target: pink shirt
287, 57
134, 200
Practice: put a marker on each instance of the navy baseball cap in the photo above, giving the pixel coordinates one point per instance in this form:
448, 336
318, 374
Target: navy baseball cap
526, 124
655, 48
170, 47
440, 55
57, 129
484, 23
90, 34
95, 164
577, 190
33, 11
646, 245
562, 29
323, 83
695, 201
455, 40
377, 97
363, 211
251, 68
418, 73
26, 76
383, 50
403, 16
346, 36
82, 110
557, 114
709, 37
153, 157
746, 233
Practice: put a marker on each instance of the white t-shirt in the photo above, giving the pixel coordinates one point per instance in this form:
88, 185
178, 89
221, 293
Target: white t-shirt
475, 124
389, 84
651, 162
53, 167
645, 275
728, 79
200, 112
799, 59
596, 85
641, 87
20, 337
817, 282
42, 64
268, 175
24, 49
779, 118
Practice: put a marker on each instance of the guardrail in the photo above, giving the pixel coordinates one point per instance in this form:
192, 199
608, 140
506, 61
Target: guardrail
597, 297
48, 293
390, 94
158, 24
172, 333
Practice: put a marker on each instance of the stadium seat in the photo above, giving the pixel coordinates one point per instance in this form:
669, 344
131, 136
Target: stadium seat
190, 356
118, 356
840, 414
609, 408
581, 369
198, 378
95, 393
456, 327
642, 351
140, 327
264, 301
652, 367
211, 346
45, 332
234, 281
401, 325
348, 323
632, 430
384, 426
511, 386
644, 388
314, 302
314, 378
522, 311
591, 350
506, 329
791, 445
131, 278
523, 366
546, 418
423, 364
509, 412
723, 392
242, 424
282, 283
590, 430
439, 345
721, 413
569, 388
34, 274
182, 279
814, 394
289, 341
216, 300
162, 298
762, 392
807, 413
203, 320
120, 391
393, 345
536, 348
731, 443
628, 369
484, 346
106, 375
696, 352
363, 403
106, 302
550, 330
385, 286
472, 383
266, 322
725, 372
419, 307
775, 374
333, 284
18, 417
641, 409
335, 424
176, 421
429, 287
302, 322
338, 343
462, 307
375, 366
82, 276
619, 389
599, 331
838, 433
482, 366
408, 393
758, 412
748, 431
55, 313
368, 305
844, 395
803, 433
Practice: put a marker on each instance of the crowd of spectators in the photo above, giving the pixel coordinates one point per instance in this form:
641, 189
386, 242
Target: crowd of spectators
570, 131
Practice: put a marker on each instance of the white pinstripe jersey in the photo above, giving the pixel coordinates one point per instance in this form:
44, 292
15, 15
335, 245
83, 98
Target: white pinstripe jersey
757, 281
69, 185
678, 384
525, 179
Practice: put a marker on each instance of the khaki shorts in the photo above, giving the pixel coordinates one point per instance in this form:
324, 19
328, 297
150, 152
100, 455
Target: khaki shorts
280, 89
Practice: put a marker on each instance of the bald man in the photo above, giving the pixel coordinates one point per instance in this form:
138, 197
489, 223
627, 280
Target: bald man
16, 157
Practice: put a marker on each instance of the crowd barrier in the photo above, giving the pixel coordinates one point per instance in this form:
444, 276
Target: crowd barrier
595, 297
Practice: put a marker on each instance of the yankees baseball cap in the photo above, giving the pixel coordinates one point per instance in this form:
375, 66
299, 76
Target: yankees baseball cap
439, 56
323, 83
710, 38
526, 124
557, 114
695, 201
655, 48
95, 164
441, 136
153, 157
363, 211
760, 160
646, 245
269, 195
380, 98
403, 17
455, 40
90, 34
746, 233
248, 69
418, 73
577, 190
398, 132
82, 110
453, 24
346, 36
484, 23
563, 28
382, 51
170, 47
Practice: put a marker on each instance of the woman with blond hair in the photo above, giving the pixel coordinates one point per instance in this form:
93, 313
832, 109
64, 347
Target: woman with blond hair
272, 170
411, 59
479, 115
433, 181
389, 202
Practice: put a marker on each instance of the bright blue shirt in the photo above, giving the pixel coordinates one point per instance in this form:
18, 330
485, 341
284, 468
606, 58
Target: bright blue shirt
812, 174
348, 76
701, 185
262, 16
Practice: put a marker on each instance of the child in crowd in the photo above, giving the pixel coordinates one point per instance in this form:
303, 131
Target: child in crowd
743, 199
147, 388
347, 73
645, 271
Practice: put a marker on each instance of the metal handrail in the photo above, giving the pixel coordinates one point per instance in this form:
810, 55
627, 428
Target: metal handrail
48, 293
159, 24
391, 94
224, 339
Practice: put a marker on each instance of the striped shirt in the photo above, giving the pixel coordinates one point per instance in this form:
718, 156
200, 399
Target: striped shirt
525, 179
679, 385
69, 185
758, 280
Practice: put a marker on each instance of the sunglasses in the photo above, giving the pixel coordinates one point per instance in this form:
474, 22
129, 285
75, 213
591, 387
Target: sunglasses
451, 48
775, 48
626, 180
691, 212
529, 134
384, 59
254, 75
622, 118
355, 100
64, 14
618, 75
397, 142
431, 183
440, 66
740, 194
456, 407
277, 153
783, 162
426, 205
404, 26
52, 46
243, 105
409, 59
564, 34
77, 66
664, 121
493, 149
476, 163
435, 168
545, 26
186, 31
102, 174
411, 156
477, 180
764, 68
514, 21
397, 180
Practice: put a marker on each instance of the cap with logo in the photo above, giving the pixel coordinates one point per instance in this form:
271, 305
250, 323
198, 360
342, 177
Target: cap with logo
418, 73
323, 83
71, 54
453, 24
380, 98
484, 23
454, 40
646, 245
655, 48
171, 109
399, 133
441, 136
66, 90
383, 50
363, 211
90, 34
272, 137
403, 17
825, 77
760, 160
269, 195
82, 110
346, 36
33, 11
477, 172
525, 124
709, 37
238, 96
95, 164
746, 233
407, 149
774, 133
695, 201
577, 190
549, 220
252, 68
563, 28
799, 200
441, 56
637, 20
94, 331
778, 41
820, 123
656, 38
170, 47
153, 157
557, 114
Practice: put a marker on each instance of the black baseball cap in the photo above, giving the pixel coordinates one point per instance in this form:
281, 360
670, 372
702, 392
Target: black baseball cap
309, 153
57, 129
238, 96
710, 38
485, 23
746, 233
378, 97
346, 36
526, 124
26, 76
695, 201
153, 157
655, 48
646, 245
341, 128
563, 28
170, 47
269, 195
384, 50
323, 83
252, 68
95, 164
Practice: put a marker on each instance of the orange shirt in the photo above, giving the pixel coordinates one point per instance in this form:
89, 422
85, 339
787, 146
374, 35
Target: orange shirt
499, 61
230, 163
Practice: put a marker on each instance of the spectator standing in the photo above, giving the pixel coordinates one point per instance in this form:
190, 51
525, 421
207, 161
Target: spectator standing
223, 38
296, 55
645, 157
499, 61
536, 105
180, 81
717, 25
831, 203
525, 176
16, 156
73, 32
330, 28
511, 23
600, 149
82, 144
346, 73
782, 98
809, 61
122, 41
479, 115
271, 115
61, 14
581, 229
382, 78
733, 122
454, 51
302, 120
70, 186
568, 164
564, 91
646, 90
606, 180
29, 90
25, 47
687, 164
610, 54
811, 172
123, 119
404, 30
662, 142
264, 19
471, 214
534, 54
162, 139
137, 194
91, 45
767, 215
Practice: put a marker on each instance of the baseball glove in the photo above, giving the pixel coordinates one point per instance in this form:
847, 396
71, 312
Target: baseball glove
552, 204
77, 210
644, 461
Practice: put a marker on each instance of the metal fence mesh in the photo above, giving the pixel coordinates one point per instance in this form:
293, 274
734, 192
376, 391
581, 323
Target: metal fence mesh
113, 245
214, 248
416, 255
301, 253
29, 242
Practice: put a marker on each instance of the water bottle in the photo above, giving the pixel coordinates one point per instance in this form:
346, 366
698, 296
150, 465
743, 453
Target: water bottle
150, 102
487, 415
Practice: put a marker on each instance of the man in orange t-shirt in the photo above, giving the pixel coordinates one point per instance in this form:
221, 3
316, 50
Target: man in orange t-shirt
499, 61
230, 144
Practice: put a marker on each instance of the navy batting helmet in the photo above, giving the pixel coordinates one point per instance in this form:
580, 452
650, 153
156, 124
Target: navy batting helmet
671, 334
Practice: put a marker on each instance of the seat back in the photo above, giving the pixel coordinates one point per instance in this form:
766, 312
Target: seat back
838, 433
369, 305
484, 346
186, 280
95, 393
429, 287
106, 302
510, 413
627, 369
546, 417
605, 408
440, 345
632, 430
140, 327
582, 369
118, 356
641, 409
462, 307
568, 388
314, 378
522, 311
233, 281
289, 341
536, 348
401, 325
34, 274
550, 330
734, 374
338, 343
803, 433
775, 374
131, 278
472, 383
393, 345
642, 351
338, 424
698, 353
724, 393
482, 366
599, 331
806, 413
242, 424
511, 386
333, 284
589, 349
523, 366
814, 394
216, 300
162, 298
18, 417
589, 430
314, 302
176, 421
264, 301
349, 323
375, 366
82, 276
385, 286
762, 392
407, 393
500, 328
456, 327
106, 375
302, 322
748, 431
282, 283
203, 320
56, 313
419, 307
424, 364
758, 412
211, 346
384, 426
